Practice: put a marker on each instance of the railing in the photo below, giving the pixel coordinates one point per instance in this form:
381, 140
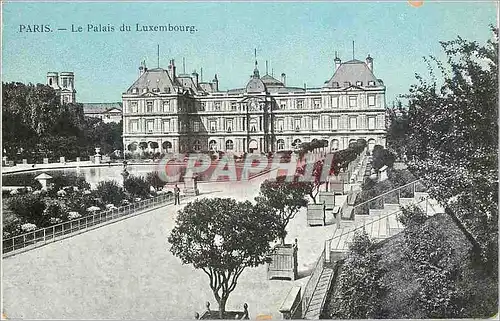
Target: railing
388, 197
365, 224
313, 282
52, 233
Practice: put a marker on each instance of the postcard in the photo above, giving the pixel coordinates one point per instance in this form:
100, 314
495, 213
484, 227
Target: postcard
249, 160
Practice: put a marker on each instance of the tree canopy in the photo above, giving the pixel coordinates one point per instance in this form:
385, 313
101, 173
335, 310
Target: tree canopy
452, 137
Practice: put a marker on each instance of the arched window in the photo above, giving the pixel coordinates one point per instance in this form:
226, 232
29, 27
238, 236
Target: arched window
212, 145
229, 145
197, 145
281, 144
296, 143
334, 145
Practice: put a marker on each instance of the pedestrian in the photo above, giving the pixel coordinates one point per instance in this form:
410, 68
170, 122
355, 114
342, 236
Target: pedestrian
177, 191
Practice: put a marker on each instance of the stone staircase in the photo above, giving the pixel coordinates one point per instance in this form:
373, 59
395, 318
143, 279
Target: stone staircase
316, 305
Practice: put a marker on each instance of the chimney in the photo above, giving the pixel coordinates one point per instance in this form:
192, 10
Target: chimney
215, 82
171, 69
142, 68
369, 62
194, 76
283, 78
338, 62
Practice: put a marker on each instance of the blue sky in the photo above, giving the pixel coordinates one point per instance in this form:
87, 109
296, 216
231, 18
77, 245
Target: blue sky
297, 38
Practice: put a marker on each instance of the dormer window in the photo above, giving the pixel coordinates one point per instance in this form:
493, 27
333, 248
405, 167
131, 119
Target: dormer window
156, 90
335, 84
371, 83
359, 83
145, 90
135, 90
347, 83
166, 90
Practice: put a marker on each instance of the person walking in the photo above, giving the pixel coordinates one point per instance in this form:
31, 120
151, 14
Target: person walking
177, 191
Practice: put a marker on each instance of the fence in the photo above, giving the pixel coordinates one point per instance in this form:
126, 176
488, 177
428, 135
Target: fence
312, 283
52, 233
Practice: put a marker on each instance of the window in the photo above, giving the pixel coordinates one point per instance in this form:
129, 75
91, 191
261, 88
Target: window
335, 84
300, 104
145, 90
243, 122
315, 123
156, 90
234, 106
135, 90
134, 126
212, 145
150, 126
371, 123
335, 102
196, 126
371, 83
133, 107
281, 144
283, 104
229, 145
166, 106
353, 101
334, 145
167, 90
317, 103
197, 145
297, 124
213, 126
149, 106
202, 106
359, 83
229, 125
280, 126
253, 125
352, 123
335, 123
347, 83
166, 126
371, 100
217, 106
65, 82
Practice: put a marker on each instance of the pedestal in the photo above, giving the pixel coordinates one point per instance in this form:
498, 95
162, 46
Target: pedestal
97, 159
283, 262
190, 185
45, 160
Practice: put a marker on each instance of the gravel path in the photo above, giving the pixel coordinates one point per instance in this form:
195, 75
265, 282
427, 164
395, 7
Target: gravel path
125, 271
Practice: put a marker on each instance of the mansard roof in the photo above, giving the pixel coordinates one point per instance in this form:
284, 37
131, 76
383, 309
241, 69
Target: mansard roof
154, 78
97, 108
270, 81
353, 71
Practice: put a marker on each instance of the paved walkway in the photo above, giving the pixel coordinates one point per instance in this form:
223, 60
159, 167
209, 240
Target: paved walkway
126, 271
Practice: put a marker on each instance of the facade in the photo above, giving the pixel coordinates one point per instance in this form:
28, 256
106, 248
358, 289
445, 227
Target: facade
177, 113
64, 84
108, 112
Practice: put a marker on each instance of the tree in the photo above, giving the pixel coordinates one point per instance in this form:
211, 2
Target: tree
397, 128
222, 237
154, 180
137, 186
286, 198
452, 138
110, 192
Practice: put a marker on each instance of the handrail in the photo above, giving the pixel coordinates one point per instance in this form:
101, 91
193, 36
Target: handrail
312, 283
386, 193
372, 221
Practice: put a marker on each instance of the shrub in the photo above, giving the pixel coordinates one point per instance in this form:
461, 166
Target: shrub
154, 180
137, 186
110, 192
359, 288
29, 208
21, 179
412, 215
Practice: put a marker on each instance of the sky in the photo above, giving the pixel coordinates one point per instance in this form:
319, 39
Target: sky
299, 39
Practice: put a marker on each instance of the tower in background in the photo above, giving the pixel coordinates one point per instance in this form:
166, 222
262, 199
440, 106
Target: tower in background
64, 84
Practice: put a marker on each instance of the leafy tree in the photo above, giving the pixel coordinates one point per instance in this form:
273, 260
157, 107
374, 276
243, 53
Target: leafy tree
359, 289
286, 198
110, 192
154, 180
222, 237
397, 128
137, 186
412, 215
452, 138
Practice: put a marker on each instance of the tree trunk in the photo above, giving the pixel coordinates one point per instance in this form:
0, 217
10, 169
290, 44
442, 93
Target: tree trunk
476, 247
282, 240
222, 308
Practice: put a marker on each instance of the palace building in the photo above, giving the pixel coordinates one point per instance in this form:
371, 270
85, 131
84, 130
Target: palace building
168, 112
